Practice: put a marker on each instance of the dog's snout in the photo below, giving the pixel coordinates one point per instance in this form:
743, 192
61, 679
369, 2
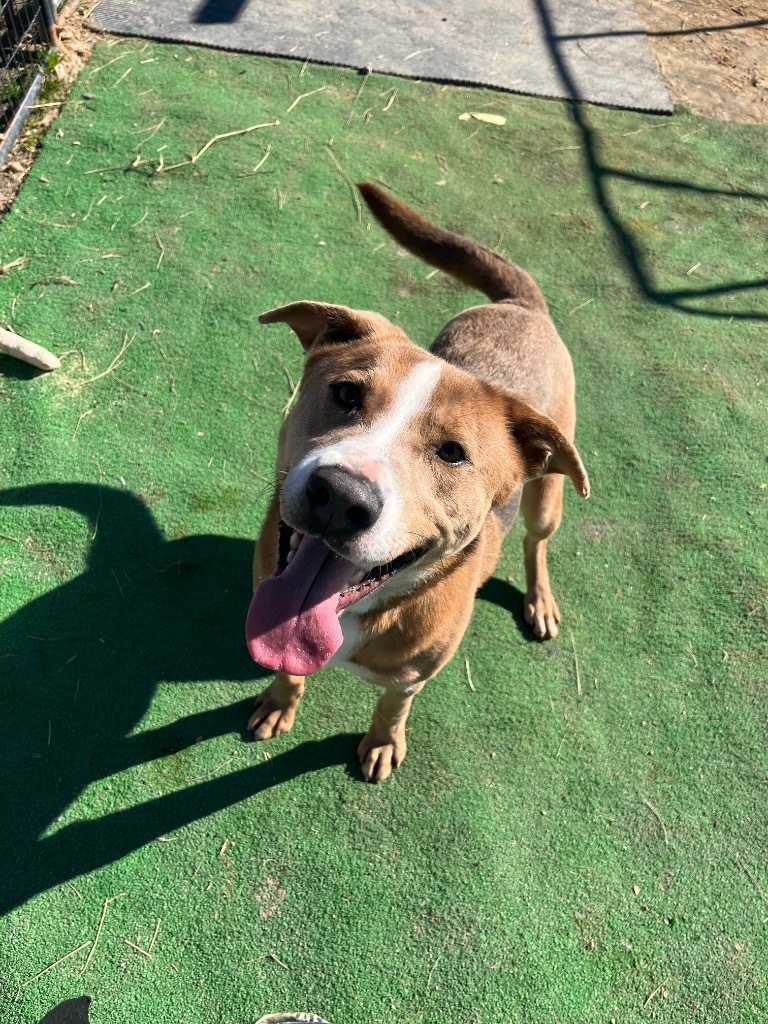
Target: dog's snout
340, 503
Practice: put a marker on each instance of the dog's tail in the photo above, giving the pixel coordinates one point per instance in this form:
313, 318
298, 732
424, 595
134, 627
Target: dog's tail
472, 264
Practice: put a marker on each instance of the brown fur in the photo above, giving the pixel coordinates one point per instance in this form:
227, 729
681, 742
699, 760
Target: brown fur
509, 392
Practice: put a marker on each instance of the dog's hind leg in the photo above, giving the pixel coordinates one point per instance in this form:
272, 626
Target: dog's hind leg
542, 508
275, 707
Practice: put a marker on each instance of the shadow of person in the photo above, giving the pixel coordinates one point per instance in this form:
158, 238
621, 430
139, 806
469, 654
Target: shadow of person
79, 666
218, 12
71, 1011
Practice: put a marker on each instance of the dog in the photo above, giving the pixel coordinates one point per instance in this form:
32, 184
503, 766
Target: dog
399, 471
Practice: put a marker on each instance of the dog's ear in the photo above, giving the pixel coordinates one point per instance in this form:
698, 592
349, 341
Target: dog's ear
543, 446
320, 321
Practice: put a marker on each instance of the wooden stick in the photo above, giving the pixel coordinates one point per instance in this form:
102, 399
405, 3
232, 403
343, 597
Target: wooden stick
261, 163
13, 345
56, 963
112, 366
655, 992
658, 818
138, 949
304, 96
269, 956
349, 181
92, 950
469, 676
576, 665
216, 138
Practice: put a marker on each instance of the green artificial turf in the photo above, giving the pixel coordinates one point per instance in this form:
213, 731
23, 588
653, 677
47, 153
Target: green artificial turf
582, 837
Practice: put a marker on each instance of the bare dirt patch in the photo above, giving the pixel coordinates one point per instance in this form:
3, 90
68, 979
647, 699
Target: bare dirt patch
269, 896
595, 530
712, 55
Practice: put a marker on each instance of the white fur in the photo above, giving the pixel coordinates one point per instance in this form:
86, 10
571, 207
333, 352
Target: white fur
377, 441
354, 637
349, 620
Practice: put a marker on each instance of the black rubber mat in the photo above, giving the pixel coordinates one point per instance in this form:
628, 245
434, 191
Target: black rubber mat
591, 50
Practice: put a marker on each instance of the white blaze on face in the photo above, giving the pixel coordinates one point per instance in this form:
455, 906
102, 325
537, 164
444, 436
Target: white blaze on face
374, 443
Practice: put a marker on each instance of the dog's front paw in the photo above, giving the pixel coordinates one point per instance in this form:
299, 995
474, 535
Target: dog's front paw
269, 717
542, 614
378, 757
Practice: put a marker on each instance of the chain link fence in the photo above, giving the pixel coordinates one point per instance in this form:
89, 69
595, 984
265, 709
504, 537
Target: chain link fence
27, 34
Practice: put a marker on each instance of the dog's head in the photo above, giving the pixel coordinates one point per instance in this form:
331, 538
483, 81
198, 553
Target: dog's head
389, 463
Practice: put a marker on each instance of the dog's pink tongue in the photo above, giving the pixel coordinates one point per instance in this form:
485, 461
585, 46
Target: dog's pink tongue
292, 623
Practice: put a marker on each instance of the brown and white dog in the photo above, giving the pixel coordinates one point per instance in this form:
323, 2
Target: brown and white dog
399, 472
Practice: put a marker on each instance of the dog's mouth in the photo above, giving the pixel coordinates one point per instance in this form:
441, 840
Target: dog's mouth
293, 623
362, 583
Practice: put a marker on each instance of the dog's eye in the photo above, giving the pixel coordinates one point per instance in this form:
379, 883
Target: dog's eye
452, 453
347, 395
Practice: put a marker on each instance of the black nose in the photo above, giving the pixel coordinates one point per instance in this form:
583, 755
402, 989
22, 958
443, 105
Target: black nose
340, 504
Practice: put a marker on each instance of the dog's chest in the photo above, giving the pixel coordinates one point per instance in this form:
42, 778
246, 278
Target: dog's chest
354, 638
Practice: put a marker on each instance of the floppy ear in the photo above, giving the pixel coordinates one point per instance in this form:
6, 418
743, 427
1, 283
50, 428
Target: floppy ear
543, 446
314, 321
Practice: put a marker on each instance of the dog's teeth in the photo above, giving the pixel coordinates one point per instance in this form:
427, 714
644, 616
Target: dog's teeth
295, 540
358, 577
289, 558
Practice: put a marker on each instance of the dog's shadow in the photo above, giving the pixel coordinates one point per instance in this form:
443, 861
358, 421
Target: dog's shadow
507, 596
79, 666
